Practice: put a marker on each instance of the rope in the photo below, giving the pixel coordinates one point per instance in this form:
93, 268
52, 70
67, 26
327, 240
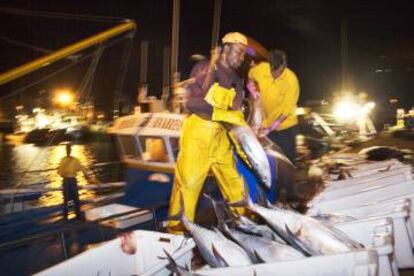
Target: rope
27, 45
58, 15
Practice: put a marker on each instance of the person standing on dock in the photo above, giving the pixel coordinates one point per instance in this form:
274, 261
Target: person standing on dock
214, 99
278, 88
68, 168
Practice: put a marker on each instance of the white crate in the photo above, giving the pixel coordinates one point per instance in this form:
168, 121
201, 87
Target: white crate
364, 262
119, 222
353, 189
363, 196
374, 167
374, 234
392, 176
402, 241
109, 259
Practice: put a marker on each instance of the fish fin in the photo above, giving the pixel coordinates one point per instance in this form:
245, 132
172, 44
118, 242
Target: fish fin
218, 232
344, 237
220, 213
219, 258
298, 244
240, 203
257, 256
173, 266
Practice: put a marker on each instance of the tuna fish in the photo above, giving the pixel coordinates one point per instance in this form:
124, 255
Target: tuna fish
175, 268
255, 117
263, 250
247, 226
242, 223
333, 219
309, 235
207, 240
255, 153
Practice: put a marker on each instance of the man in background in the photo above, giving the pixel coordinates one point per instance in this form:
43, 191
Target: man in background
68, 168
278, 88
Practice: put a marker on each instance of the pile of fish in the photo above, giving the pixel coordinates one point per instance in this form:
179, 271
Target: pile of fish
372, 185
286, 235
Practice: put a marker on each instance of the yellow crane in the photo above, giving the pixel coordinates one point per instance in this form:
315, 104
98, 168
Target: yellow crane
64, 52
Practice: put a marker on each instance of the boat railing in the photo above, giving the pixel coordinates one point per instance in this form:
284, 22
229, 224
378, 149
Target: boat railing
81, 225
97, 165
9, 201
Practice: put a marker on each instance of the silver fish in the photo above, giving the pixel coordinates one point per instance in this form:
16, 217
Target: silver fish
333, 219
207, 239
242, 223
307, 234
255, 118
255, 153
177, 269
248, 226
264, 250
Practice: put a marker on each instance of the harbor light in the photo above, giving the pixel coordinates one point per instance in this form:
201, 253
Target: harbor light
370, 105
64, 97
346, 110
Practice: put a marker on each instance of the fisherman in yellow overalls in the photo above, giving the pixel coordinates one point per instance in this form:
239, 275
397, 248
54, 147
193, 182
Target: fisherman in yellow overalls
214, 100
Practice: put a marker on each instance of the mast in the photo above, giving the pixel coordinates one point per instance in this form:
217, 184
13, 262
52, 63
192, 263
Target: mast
174, 45
216, 24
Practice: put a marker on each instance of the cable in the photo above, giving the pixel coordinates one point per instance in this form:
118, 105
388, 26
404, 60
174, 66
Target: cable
58, 15
23, 44
13, 93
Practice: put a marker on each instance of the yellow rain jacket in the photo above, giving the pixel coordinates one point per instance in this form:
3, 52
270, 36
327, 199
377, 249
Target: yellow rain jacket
279, 96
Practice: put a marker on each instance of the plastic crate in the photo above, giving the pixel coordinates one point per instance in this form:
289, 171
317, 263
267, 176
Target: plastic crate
374, 234
397, 175
141, 216
353, 189
372, 194
402, 241
364, 262
109, 259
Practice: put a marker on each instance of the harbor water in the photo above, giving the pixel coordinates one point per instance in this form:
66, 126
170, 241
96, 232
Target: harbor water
29, 165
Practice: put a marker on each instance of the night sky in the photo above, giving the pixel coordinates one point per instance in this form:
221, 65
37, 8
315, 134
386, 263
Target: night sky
380, 58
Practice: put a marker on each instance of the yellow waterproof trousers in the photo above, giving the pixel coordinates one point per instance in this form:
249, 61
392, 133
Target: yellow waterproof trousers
204, 147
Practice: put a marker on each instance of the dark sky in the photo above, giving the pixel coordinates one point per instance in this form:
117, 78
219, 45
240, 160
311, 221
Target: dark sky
380, 42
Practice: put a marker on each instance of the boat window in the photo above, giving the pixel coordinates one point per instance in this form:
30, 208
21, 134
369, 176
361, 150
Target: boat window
175, 146
128, 145
153, 149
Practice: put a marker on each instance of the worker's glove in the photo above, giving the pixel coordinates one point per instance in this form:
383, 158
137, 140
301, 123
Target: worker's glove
220, 97
234, 117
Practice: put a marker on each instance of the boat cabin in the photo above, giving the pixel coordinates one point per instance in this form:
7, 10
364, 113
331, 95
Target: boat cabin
148, 140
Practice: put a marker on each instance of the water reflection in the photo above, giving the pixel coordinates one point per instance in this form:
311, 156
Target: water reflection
26, 164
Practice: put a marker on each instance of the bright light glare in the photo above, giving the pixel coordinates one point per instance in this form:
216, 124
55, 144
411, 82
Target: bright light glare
370, 105
42, 121
64, 97
346, 110
300, 111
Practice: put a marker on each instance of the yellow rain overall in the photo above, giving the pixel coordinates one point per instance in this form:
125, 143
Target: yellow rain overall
205, 147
